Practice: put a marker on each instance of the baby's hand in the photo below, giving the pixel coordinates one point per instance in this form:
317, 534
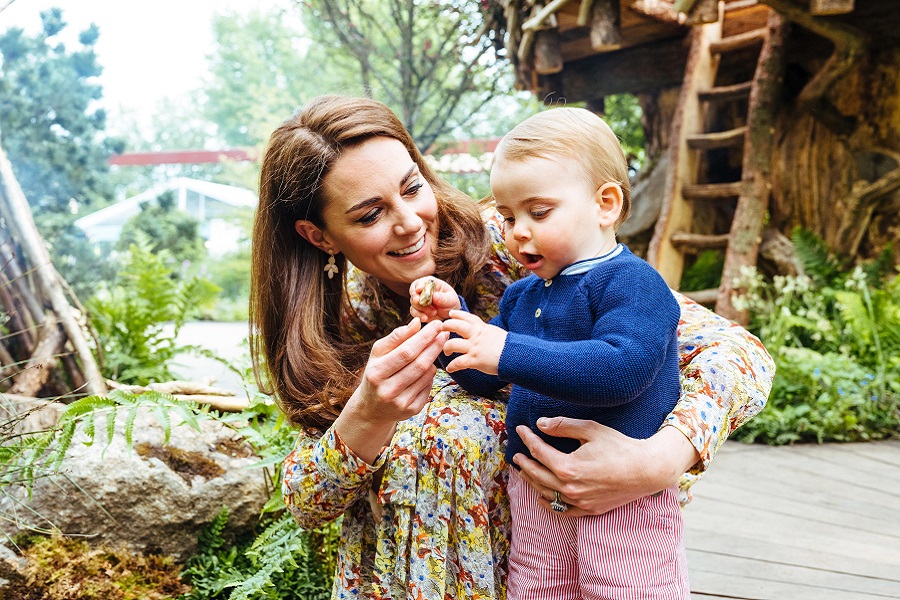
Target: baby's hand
431, 298
479, 344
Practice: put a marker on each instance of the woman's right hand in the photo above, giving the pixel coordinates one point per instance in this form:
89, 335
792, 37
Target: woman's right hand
396, 384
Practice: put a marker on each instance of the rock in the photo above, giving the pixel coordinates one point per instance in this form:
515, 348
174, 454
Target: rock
152, 496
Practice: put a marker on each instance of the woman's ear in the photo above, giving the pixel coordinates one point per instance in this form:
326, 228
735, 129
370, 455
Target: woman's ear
609, 200
314, 235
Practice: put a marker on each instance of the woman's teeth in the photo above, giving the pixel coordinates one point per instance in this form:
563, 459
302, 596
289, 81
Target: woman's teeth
414, 248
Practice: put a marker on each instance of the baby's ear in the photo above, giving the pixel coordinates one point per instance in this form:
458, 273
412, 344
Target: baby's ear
609, 200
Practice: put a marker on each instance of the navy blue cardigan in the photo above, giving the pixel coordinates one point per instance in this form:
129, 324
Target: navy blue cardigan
598, 341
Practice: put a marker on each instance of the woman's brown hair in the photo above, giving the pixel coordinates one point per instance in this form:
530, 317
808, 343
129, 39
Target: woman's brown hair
299, 346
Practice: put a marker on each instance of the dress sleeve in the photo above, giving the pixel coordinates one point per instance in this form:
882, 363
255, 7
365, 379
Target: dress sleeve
322, 477
726, 376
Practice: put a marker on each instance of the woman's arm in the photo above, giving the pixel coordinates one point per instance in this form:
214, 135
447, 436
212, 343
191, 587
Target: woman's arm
726, 377
324, 476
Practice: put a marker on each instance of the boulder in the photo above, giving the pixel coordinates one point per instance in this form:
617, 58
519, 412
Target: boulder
151, 496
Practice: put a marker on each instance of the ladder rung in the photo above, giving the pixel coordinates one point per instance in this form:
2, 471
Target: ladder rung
740, 5
719, 139
711, 191
705, 297
739, 41
726, 92
697, 241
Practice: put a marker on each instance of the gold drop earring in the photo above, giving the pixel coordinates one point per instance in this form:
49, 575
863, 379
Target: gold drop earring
331, 268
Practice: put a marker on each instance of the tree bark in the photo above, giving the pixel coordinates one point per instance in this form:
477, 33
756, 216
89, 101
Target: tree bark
756, 177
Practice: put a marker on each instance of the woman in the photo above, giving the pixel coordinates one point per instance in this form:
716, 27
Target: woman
414, 464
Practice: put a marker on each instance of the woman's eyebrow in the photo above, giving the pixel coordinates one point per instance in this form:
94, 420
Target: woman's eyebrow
374, 199
408, 173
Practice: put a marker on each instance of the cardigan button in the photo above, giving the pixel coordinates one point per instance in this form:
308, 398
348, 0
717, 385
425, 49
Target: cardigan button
537, 313
547, 282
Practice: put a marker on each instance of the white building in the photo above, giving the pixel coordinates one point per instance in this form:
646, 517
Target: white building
214, 205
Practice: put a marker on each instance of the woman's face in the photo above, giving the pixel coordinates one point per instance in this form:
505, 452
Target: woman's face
381, 213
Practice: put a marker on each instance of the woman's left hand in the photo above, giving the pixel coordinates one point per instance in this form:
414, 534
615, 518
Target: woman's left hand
608, 470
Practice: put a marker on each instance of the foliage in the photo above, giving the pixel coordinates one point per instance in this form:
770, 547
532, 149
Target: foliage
70, 569
704, 273
282, 562
54, 136
130, 315
432, 62
260, 74
622, 112
167, 229
835, 338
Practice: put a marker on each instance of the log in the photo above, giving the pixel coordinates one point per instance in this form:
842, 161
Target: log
548, 58
756, 178
655, 9
18, 214
779, 250
606, 34
30, 380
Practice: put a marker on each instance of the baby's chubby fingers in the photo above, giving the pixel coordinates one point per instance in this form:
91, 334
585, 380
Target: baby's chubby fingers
462, 323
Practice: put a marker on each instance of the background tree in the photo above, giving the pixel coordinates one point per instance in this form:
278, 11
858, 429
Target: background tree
166, 229
434, 63
54, 135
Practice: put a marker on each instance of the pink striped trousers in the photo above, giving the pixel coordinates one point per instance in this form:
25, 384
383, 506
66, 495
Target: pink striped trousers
633, 552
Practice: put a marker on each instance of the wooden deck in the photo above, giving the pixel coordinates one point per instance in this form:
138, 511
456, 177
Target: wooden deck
797, 523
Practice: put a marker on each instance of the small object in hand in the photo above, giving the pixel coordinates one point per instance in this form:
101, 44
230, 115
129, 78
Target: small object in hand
427, 293
558, 505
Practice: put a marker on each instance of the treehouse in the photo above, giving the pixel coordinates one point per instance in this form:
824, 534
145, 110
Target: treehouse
759, 117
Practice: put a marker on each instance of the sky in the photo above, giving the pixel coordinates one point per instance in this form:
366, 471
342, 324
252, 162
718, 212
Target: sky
149, 49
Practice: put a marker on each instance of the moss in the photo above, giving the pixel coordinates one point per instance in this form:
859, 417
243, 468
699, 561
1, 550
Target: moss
186, 463
68, 569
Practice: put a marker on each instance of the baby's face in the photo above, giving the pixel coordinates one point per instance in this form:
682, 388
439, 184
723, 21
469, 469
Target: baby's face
554, 215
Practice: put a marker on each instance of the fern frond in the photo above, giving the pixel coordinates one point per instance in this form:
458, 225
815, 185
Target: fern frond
819, 263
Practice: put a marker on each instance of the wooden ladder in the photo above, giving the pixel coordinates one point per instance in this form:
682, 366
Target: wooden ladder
681, 230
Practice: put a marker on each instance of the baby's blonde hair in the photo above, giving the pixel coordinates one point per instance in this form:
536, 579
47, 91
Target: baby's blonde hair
574, 133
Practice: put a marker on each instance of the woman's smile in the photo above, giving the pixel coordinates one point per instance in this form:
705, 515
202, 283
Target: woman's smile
410, 249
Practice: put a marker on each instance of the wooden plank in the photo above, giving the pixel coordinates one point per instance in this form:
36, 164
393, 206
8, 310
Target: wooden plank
642, 69
711, 191
739, 546
727, 92
731, 138
762, 585
739, 41
696, 241
704, 297
886, 452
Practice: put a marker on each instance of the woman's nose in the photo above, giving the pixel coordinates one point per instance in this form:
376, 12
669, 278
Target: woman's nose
408, 220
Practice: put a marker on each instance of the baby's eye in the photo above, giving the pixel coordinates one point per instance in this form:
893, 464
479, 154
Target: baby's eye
540, 214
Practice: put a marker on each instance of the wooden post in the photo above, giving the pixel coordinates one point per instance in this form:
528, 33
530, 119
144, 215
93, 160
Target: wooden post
756, 179
605, 32
18, 216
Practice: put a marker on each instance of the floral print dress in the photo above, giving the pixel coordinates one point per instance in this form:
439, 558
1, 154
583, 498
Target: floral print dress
437, 527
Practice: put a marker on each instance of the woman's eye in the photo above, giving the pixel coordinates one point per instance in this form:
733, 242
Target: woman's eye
413, 189
369, 217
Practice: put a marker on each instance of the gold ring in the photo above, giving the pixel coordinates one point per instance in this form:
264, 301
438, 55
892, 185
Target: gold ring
558, 505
